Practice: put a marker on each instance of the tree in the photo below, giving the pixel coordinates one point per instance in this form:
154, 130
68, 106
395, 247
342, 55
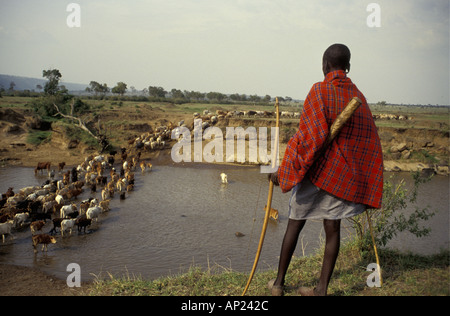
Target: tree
157, 92
53, 94
177, 94
219, 97
194, 95
98, 88
11, 86
238, 97
100, 138
254, 98
53, 76
120, 88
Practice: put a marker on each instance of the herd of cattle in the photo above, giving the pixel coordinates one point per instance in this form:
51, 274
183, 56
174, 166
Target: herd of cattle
283, 114
220, 114
56, 199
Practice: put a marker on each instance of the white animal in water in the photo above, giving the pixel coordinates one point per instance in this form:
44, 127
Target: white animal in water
5, 229
93, 213
67, 225
224, 178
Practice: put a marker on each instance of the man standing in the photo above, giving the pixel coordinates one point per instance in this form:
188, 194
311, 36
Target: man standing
337, 182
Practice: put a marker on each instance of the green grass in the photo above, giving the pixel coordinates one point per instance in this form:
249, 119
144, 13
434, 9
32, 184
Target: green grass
403, 275
38, 137
75, 133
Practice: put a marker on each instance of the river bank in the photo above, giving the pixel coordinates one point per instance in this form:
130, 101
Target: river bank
418, 144
403, 275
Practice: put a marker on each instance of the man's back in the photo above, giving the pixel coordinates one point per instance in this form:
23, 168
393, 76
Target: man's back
351, 168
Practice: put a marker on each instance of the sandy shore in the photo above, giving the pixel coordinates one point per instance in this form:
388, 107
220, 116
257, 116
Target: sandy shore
24, 281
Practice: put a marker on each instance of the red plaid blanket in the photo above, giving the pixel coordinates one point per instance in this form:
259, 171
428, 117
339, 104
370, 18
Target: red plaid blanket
350, 168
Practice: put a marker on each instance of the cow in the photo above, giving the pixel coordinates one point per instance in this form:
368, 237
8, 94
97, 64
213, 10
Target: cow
42, 166
56, 223
59, 199
61, 166
48, 206
36, 225
19, 219
93, 212
83, 222
5, 229
66, 210
43, 239
224, 178
273, 213
67, 224
8, 193
40, 217
145, 165
104, 205
4, 218
73, 193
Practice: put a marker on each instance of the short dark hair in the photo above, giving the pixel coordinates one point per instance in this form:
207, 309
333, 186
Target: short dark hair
338, 56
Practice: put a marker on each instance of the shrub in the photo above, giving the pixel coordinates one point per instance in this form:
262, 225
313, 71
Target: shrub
390, 220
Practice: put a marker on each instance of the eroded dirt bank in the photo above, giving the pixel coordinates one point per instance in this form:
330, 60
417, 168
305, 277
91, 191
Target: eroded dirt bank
405, 149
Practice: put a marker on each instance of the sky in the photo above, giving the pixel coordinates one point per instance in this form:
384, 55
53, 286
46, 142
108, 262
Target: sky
248, 47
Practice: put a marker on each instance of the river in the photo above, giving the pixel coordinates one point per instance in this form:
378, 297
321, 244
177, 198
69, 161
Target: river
178, 217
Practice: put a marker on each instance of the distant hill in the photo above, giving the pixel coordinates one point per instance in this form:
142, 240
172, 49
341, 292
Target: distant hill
26, 83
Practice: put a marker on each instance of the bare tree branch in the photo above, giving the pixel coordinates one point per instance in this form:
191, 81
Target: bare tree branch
80, 122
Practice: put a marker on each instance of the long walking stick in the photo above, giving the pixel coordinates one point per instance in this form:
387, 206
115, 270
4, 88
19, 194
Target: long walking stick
269, 200
337, 125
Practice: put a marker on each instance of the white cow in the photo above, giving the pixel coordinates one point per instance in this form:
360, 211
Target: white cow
59, 199
5, 229
93, 212
67, 225
20, 218
66, 210
224, 178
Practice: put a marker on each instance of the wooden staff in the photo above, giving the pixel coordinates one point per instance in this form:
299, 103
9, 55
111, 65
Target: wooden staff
269, 199
337, 125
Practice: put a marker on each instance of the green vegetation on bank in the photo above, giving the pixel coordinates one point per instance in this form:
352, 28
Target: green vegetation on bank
403, 274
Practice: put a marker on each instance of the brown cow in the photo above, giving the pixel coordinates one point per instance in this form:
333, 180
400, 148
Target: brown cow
83, 222
42, 166
9, 193
61, 166
43, 239
73, 193
35, 226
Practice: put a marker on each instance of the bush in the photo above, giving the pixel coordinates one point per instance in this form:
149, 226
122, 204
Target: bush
389, 220
36, 137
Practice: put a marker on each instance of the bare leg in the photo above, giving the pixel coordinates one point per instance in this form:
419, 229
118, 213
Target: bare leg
287, 249
332, 243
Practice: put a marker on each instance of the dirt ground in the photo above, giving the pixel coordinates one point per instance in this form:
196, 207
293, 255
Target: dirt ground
24, 281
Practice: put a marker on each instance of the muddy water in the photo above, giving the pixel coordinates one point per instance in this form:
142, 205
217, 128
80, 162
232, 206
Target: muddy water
179, 217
